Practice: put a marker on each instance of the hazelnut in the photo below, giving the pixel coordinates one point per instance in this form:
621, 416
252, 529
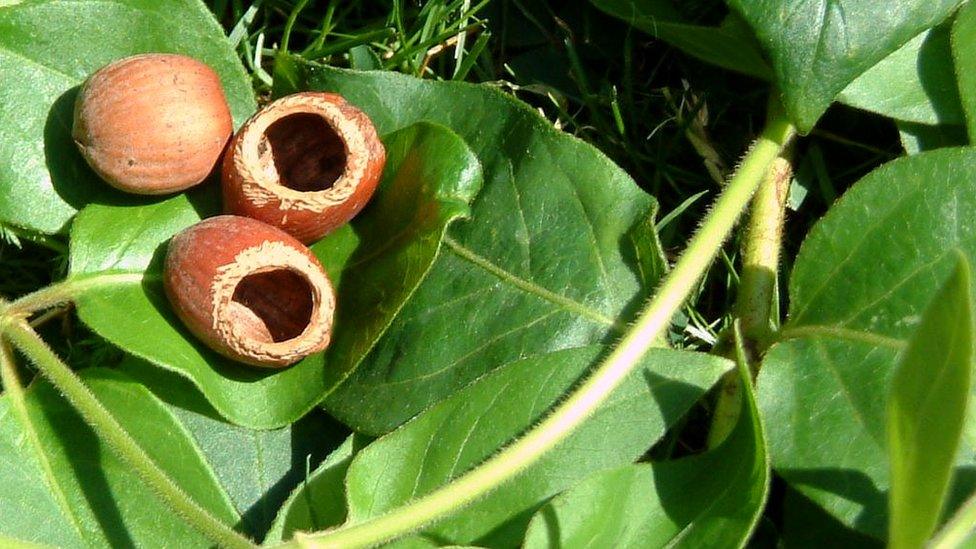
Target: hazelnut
306, 163
249, 291
152, 124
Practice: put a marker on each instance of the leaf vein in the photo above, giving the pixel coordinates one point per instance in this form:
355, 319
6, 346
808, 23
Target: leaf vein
529, 287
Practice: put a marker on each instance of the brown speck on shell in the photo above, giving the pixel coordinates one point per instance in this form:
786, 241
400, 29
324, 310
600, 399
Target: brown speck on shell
152, 124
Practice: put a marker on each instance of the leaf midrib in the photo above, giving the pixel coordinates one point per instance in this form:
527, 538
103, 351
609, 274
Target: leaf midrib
838, 332
529, 287
816, 333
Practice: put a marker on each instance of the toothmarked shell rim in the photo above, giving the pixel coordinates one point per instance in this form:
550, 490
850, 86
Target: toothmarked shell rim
264, 257
262, 188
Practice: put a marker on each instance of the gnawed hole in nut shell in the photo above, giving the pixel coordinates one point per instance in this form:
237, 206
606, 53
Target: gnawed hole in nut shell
307, 152
272, 305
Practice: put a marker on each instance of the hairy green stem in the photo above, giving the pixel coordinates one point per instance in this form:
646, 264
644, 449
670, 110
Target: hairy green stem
40, 239
760, 259
65, 291
585, 400
757, 286
115, 436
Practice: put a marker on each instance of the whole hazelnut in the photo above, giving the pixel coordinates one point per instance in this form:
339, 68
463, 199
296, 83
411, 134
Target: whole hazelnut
152, 124
306, 163
249, 291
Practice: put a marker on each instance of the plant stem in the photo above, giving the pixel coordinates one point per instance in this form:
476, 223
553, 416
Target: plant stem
40, 239
959, 528
757, 286
584, 401
111, 432
760, 258
65, 291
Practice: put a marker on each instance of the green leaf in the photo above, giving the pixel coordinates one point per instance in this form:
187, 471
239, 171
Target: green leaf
860, 284
320, 501
964, 54
463, 430
916, 138
926, 411
258, 469
363, 58
805, 524
707, 500
106, 503
46, 50
730, 46
546, 262
915, 83
118, 250
818, 48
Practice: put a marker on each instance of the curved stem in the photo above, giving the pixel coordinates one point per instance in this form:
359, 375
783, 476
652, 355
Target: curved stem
110, 431
40, 239
582, 403
760, 258
757, 287
65, 291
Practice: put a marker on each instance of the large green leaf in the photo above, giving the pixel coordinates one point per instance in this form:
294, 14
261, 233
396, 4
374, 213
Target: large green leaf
916, 138
47, 48
258, 469
708, 500
731, 46
320, 501
964, 55
915, 83
85, 496
926, 410
463, 430
819, 47
376, 262
861, 282
548, 260
805, 524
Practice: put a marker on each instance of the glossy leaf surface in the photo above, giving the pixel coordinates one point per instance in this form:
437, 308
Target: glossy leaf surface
862, 280
926, 411
916, 138
47, 49
964, 55
916, 83
320, 501
107, 504
709, 500
818, 48
468, 427
549, 259
257, 468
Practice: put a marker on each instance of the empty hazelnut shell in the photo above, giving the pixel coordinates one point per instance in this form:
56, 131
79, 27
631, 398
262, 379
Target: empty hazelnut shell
306, 163
152, 124
249, 291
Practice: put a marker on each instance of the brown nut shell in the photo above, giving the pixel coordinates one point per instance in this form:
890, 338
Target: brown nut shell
152, 124
249, 291
306, 163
